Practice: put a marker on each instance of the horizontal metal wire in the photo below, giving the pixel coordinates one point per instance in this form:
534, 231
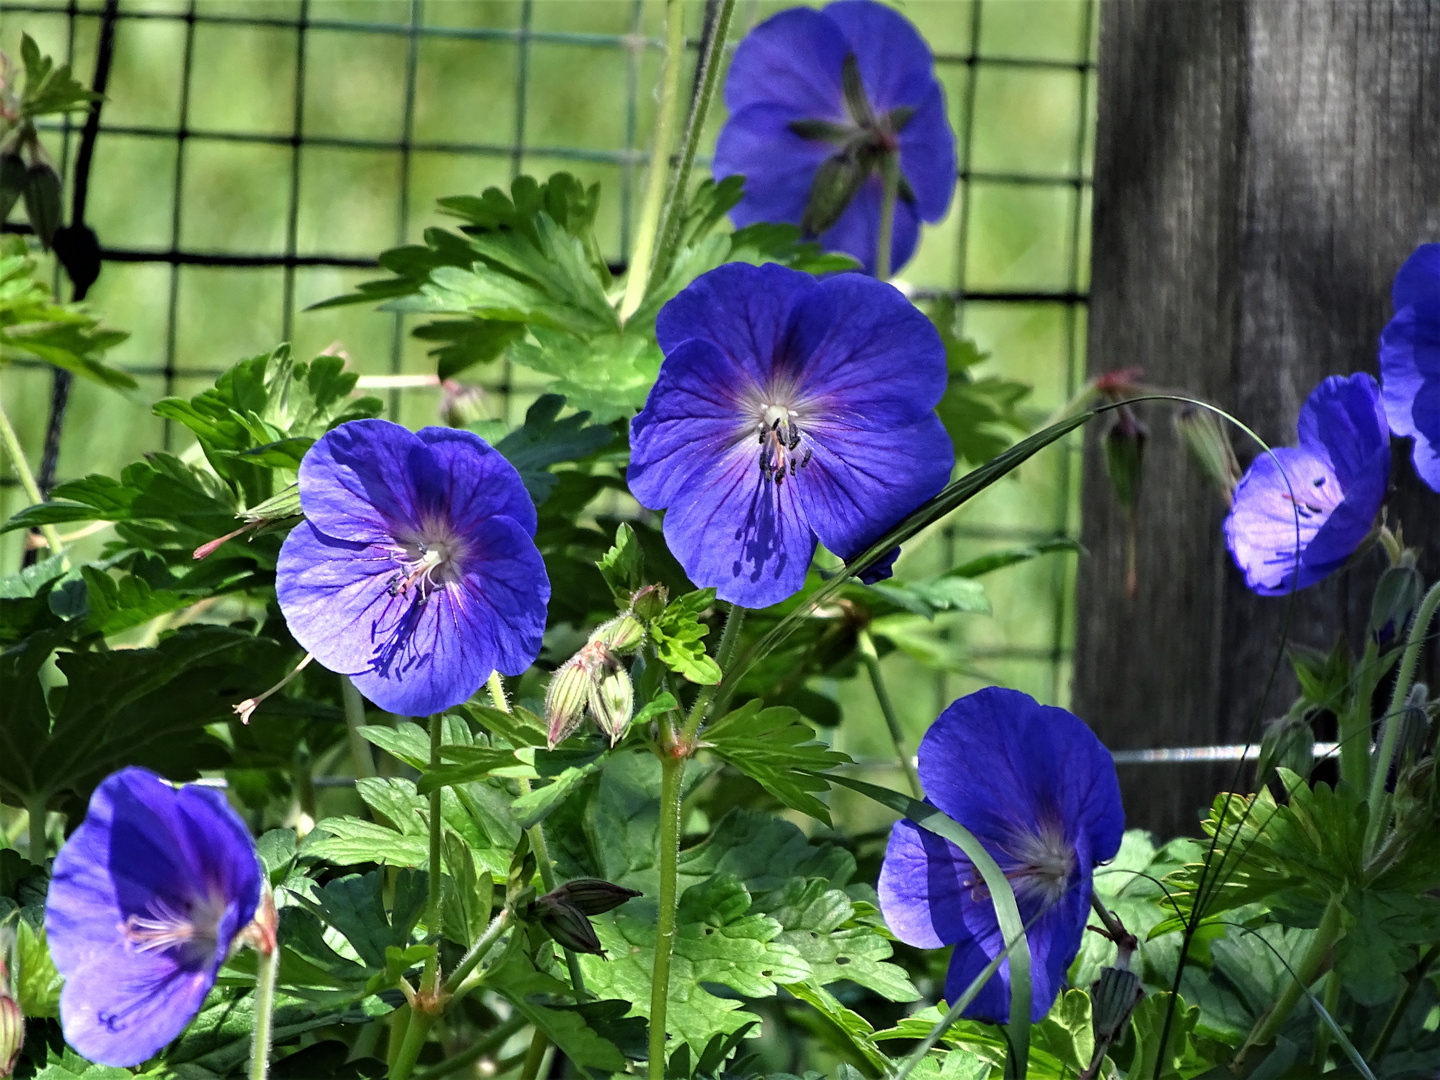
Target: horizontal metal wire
1161, 756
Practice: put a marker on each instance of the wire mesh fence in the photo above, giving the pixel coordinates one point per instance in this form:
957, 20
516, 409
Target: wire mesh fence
253, 156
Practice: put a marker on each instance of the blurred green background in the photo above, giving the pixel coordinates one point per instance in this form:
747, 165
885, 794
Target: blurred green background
319, 132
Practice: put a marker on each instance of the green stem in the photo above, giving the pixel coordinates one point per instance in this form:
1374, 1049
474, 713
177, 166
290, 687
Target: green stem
416, 1032
887, 708
640, 257
1301, 976
709, 76
430, 979
266, 968
360, 755
1354, 722
1379, 798
39, 817
729, 638
537, 840
477, 952
536, 1055
1413, 981
1322, 1033
672, 773
890, 176
27, 479
475, 1051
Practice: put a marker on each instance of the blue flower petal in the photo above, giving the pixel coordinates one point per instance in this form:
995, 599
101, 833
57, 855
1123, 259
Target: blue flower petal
1418, 281
742, 310
896, 66
743, 537
794, 57
925, 884
846, 332
356, 481
467, 480
857, 231
145, 851
1343, 422
778, 165
1410, 374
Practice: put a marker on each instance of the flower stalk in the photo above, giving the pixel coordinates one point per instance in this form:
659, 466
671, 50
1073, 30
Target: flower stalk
39, 815
267, 968
672, 775
360, 756
643, 253
871, 659
16, 453
1379, 800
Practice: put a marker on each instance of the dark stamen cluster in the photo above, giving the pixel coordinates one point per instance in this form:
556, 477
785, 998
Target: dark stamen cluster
778, 443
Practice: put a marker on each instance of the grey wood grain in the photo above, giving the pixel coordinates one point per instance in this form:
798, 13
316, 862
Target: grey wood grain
1262, 169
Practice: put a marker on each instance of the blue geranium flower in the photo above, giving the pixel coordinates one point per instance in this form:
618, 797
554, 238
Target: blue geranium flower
147, 897
415, 571
1038, 790
1299, 515
817, 99
1410, 360
787, 409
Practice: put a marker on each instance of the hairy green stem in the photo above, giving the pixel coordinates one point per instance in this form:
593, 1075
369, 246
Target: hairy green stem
535, 1057
645, 234
890, 177
488, 1043
1412, 984
887, 708
1354, 722
433, 910
360, 755
477, 952
708, 76
27, 479
39, 817
672, 775
537, 839
729, 638
416, 1032
266, 968
1301, 976
1379, 798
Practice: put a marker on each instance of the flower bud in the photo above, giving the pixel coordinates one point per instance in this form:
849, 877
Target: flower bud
462, 404
12, 1019
594, 896
612, 701
1124, 442
566, 698
1397, 595
1208, 442
42, 201
1288, 743
566, 923
1113, 997
620, 635
649, 603
13, 178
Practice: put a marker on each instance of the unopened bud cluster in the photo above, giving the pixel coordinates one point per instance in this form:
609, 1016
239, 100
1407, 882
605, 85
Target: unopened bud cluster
12, 1020
594, 681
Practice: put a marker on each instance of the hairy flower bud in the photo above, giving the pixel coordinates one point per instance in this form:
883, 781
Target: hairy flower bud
566, 923
594, 896
612, 701
42, 201
12, 1034
649, 603
13, 178
1208, 442
1113, 997
461, 404
620, 635
1397, 595
566, 698
1125, 441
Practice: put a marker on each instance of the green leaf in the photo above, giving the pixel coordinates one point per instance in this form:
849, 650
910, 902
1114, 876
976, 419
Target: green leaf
72, 1066
535, 807
219, 1038
981, 415
539, 998
1067, 1031
852, 1025
519, 727
34, 326
466, 342
605, 373
623, 566
718, 942
1178, 1057
777, 750
676, 636
999, 560
38, 983
543, 441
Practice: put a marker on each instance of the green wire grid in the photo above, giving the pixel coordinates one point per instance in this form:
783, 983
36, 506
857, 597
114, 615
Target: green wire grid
216, 233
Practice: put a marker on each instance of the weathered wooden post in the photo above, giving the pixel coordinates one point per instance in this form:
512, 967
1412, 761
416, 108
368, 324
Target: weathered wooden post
1262, 168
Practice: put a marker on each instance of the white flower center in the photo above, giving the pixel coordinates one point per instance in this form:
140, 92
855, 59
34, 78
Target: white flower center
196, 929
1041, 862
428, 561
781, 451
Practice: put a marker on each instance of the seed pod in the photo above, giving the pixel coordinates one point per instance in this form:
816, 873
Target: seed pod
1125, 441
649, 603
566, 923
1208, 442
594, 896
42, 201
